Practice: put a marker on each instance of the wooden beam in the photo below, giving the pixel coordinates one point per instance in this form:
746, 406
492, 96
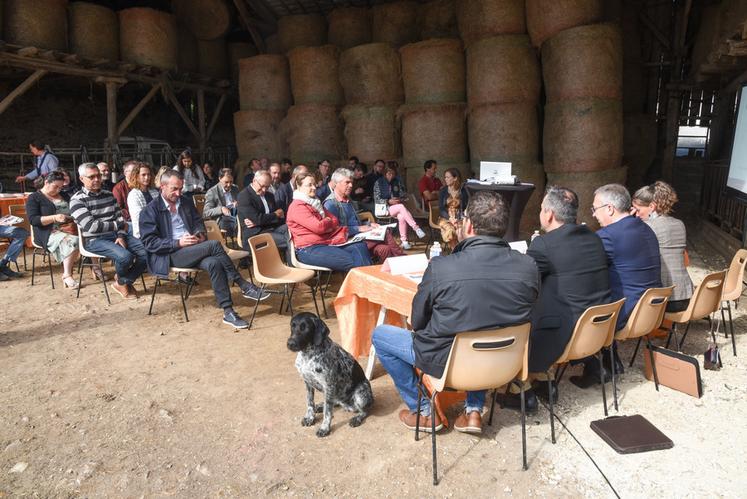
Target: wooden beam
21, 89
246, 20
655, 30
214, 119
179, 109
136, 110
263, 11
201, 125
111, 116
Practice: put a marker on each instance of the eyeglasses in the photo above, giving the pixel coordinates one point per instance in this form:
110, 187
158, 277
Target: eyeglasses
97, 175
594, 209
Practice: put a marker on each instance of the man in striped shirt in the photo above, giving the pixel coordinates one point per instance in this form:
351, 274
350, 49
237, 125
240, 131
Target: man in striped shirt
106, 232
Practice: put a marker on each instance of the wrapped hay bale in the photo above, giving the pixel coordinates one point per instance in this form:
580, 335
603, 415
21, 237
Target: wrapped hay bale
308, 84
503, 132
546, 18
272, 44
349, 27
206, 19
258, 134
213, 58
37, 23
502, 69
236, 52
480, 19
313, 133
264, 82
433, 71
583, 135
437, 19
395, 23
148, 37
188, 57
303, 30
94, 31
371, 132
584, 185
371, 74
586, 61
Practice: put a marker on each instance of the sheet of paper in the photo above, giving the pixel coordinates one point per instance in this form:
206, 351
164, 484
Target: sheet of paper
408, 264
520, 246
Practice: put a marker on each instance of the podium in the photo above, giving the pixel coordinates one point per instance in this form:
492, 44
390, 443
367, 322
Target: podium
516, 197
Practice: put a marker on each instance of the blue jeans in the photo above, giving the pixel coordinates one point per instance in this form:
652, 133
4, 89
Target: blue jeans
18, 236
394, 349
340, 258
129, 263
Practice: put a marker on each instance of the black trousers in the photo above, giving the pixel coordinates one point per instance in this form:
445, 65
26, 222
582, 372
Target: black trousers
210, 257
228, 224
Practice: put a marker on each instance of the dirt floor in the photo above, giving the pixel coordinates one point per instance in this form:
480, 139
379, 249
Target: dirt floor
100, 400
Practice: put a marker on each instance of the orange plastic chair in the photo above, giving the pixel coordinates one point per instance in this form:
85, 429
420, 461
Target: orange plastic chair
733, 288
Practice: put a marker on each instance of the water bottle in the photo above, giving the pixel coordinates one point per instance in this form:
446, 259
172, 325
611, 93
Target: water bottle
435, 250
535, 235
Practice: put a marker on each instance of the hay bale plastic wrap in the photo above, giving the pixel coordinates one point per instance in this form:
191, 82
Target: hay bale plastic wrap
258, 134
502, 69
433, 71
188, 56
395, 23
36, 23
480, 19
503, 132
546, 18
148, 37
583, 135
313, 75
349, 27
93, 31
302, 30
236, 52
586, 61
206, 19
264, 82
371, 133
371, 75
584, 185
213, 58
313, 133
437, 19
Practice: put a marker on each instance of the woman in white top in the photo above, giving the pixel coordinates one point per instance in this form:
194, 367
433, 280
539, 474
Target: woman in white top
141, 193
194, 179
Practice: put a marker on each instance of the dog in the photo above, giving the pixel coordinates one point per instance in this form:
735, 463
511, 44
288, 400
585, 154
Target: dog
326, 367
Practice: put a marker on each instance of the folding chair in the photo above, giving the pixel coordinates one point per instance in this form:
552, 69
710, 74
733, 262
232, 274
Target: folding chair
733, 288
318, 271
183, 293
88, 255
46, 256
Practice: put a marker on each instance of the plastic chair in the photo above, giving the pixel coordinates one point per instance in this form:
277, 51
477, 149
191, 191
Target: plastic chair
706, 300
733, 288
46, 256
433, 228
214, 234
183, 293
199, 200
269, 270
318, 271
88, 255
481, 360
19, 210
366, 216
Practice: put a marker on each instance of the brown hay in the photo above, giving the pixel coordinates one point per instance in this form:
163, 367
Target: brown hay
502, 69
583, 135
213, 57
148, 37
206, 19
236, 52
264, 82
584, 185
187, 53
94, 31
313, 133
258, 134
586, 61
36, 23
303, 30
313, 75
437, 19
349, 27
434, 131
546, 18
395, 23
480, 19
433, 71
503, 132
371, 75
371, 132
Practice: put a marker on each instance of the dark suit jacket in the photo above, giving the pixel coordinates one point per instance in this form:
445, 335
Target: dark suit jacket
573, 269
37, 206
250, 206
156, 232
633, 260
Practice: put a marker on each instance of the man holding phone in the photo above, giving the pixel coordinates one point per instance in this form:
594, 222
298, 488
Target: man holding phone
174, 235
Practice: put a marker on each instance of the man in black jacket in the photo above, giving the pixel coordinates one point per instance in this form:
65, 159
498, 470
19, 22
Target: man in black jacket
483, 284
259, 214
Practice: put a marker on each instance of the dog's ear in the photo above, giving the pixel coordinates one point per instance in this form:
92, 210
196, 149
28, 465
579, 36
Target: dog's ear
321, 331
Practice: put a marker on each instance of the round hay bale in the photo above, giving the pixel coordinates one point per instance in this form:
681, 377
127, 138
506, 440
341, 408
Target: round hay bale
586, 61
272, 44
188, 56
503, 132
307, 84
434, 131
258, 134
349, 27
264, 82
148, 37
206, 19
313, 133
236, 52
546, 18
437, 19
433, 71
371, 132
502, 69
584, 185
93, 30
480, 19
371, 75
395, 23
37, 23
583, 135
303, 30
213, 57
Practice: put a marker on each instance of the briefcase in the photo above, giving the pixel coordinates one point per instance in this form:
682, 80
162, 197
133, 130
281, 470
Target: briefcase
631, 434
675, 370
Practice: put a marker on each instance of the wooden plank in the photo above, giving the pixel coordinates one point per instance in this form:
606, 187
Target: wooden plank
216, 114
136, 110
179, 109
246, 21
28, 51
21, 89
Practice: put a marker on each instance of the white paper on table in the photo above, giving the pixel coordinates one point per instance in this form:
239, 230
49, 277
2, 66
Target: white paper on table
408, 264
520, 246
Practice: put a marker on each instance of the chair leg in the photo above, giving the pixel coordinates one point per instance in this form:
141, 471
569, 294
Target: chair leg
601, 379
51, 273
181, 295
552, 413
635, 352
433, 437
25, 267
653, 363
713, 329
323, 293
142, 279
153, 296
492, 407
282, 300
33, 266
256, 305
523, 430
106, 290
731, 327
420, 405
288, 295
80, 275
672, 335
687, 328
313, 297
614, 381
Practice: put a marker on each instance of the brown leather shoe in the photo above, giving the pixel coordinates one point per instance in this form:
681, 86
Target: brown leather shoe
123, 290
469, 423
133, 292
409, 420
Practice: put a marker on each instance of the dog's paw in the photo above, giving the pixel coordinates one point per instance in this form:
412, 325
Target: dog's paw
319, 408
308, 421
322, 432
356, 421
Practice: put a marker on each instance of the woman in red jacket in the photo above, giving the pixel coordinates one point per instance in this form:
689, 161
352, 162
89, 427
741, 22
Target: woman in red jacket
315, 231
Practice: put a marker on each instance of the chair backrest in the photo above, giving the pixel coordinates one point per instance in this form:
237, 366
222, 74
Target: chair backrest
81, 246
735, 276
32, 231
647, 314
213, 231
480, 360
706, 298
434, 215
594, 329
292, 251
239, 233
366, 216
265, 257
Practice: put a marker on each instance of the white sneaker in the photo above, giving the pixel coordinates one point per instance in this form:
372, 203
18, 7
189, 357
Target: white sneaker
406, 245
420, 233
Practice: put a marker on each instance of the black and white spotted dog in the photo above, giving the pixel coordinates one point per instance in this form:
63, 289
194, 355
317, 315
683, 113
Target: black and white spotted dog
326, 367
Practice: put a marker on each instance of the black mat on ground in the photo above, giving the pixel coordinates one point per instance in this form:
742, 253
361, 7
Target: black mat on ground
631, 434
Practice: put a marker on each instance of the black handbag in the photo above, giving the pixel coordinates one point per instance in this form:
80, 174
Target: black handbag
712, 356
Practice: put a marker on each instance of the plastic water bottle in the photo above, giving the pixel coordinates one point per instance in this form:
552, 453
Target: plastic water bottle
535, 235
435, 249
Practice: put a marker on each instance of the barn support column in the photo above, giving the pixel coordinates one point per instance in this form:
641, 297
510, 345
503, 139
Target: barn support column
21, 89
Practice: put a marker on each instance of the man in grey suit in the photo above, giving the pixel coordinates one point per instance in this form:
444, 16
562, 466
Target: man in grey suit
221, 201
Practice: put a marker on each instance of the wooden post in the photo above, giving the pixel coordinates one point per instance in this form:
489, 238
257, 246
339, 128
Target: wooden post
21, 89
112, 86
136, 110
201, 125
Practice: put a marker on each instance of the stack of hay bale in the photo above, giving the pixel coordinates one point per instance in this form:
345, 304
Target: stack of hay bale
503, 90
148, 37
93, 31
41, 23
582, 70
208, 21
